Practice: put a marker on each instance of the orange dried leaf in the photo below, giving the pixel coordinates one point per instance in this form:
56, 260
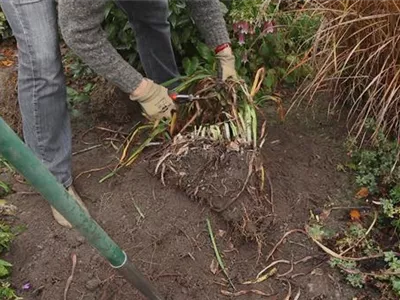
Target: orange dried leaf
362, 193
355, 215
6, 63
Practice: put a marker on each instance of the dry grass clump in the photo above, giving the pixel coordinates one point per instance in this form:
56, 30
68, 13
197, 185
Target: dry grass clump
357, 53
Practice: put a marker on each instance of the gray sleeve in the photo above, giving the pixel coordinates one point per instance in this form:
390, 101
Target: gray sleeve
80, 23
208, 17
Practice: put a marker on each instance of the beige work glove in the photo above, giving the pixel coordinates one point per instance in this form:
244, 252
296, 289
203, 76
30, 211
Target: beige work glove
226, 64
155, 100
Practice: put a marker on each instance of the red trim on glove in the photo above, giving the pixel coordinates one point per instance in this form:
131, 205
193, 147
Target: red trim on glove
222, 47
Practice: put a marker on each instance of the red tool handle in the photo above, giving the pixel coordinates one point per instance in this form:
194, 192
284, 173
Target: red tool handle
173, 96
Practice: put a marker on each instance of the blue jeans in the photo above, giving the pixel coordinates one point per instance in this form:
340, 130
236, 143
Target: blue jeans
41, 82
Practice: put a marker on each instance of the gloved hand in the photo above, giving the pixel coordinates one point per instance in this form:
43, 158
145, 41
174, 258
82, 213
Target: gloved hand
226, 64
154, 99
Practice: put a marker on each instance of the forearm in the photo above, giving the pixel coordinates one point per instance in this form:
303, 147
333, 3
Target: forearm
80, 23
208, 17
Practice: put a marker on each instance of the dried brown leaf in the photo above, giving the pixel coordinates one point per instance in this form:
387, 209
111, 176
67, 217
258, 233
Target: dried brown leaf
362, 193
214, 266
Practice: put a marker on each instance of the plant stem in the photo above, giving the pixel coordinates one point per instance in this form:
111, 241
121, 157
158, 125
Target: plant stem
217, 255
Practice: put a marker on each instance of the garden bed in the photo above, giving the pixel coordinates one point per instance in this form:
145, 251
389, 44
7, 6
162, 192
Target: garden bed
166, 234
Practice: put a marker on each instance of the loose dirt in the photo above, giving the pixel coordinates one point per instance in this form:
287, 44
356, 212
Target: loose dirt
165, 232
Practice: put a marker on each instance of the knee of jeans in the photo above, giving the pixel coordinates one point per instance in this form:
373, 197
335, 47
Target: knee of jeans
47, 62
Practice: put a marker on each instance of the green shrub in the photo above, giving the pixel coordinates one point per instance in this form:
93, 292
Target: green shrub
120, 33
6, 237
5, 30
271, 37
253, 28
7, 292
377, 168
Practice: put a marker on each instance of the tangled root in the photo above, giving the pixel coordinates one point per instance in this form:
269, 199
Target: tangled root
226, 178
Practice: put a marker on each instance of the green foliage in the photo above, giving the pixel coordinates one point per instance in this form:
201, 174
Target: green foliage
317, 232
75, 98
184, 34
377, 168
120, 33
267, 36
356, 234
4, 268
75, 68
80, 82
6, 237
378, 164
356, 280
7, 293
350, 269
5, 30
4, 189
4, 164
394, 266
263, 45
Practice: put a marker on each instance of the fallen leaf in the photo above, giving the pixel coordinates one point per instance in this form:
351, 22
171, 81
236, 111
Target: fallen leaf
362, 193
6, 63
221, 233
355, 215
214, 266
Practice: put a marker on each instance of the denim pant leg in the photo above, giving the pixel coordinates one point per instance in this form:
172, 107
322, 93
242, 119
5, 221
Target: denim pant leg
149, 20
41, 83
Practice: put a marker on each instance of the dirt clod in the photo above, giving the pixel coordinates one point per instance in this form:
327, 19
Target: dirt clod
93, 284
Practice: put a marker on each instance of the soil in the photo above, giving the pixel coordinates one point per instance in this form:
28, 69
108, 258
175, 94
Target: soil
165, 232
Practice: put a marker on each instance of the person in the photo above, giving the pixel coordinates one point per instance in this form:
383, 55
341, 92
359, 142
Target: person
80, 23
41, 82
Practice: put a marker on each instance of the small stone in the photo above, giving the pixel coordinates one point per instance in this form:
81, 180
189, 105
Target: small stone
93, 284
80, 239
